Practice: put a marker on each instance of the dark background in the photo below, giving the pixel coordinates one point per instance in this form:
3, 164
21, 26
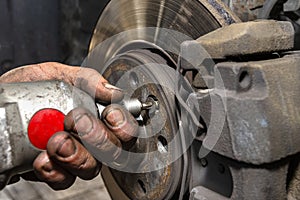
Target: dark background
33, 31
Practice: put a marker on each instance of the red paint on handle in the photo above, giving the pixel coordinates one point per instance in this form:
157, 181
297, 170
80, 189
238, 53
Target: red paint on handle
43, 125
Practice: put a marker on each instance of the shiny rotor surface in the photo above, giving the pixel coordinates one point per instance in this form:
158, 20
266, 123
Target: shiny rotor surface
192, 18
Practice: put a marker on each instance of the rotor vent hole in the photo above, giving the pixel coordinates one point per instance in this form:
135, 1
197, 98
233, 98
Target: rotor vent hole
134, 80
245, 80
142, 186
162, 144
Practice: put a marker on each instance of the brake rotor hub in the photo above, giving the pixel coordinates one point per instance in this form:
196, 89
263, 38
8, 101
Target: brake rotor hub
137, 58
131, 72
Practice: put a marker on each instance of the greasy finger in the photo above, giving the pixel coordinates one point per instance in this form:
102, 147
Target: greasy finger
86, 79
49, 172
120, 122
92, 131
68, 153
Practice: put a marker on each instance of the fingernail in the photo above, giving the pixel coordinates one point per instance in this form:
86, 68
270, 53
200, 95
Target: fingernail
111, 87
66, 148
83, 124
115, 117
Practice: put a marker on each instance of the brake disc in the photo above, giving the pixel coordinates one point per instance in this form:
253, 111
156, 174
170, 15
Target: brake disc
132, 34
192, 18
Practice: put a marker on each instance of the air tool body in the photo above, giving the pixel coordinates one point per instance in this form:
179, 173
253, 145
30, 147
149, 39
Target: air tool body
30, 113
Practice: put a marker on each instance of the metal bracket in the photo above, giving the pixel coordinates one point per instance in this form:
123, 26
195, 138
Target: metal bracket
248, 38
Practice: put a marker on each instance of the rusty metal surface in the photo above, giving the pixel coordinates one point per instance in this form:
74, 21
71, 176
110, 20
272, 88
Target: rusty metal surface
246, 10
283, 10
247, 181
259, 100
256, 101
249, 38
221, 12
163, 182
261, 108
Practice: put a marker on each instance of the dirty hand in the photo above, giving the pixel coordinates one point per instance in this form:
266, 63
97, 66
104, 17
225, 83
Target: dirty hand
66, 158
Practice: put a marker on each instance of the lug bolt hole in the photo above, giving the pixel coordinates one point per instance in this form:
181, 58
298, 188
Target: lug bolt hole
245, 80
